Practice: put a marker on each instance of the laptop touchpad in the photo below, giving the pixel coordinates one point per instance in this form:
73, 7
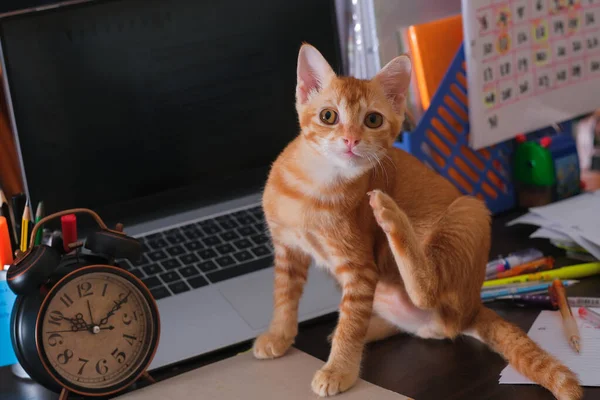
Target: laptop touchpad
252, 296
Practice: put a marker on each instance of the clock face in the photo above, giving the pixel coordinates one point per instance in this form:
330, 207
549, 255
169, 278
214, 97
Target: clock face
97, 330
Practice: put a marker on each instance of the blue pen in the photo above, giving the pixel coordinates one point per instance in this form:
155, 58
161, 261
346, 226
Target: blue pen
520, 290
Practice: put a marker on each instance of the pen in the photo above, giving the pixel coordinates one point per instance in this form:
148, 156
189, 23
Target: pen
39, 214
512, 260
571, 272
18, 207
10, 221
590, 315
558, 295
25, 227
542, 264
544, 300
493, 294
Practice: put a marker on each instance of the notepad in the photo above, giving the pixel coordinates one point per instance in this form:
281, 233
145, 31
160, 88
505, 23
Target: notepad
244, 377
547, 331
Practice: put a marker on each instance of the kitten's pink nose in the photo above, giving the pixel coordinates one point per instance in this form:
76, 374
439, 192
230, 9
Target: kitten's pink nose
351, 142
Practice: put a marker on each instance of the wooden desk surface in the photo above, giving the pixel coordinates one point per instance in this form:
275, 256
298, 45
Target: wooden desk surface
422, 369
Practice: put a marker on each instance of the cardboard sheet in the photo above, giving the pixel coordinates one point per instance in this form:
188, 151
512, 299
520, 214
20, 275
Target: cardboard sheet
244, 377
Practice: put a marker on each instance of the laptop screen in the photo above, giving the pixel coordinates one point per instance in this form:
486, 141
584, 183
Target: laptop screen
145, 106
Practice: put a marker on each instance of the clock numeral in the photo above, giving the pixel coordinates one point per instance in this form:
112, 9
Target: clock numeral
130, 339
84, 362
104, 289
84, 289
65, 356
127, 319
66, 300
55, 339
101, 367
119, 356
55, 318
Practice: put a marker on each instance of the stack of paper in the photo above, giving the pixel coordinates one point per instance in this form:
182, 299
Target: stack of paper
547, 331
572, 223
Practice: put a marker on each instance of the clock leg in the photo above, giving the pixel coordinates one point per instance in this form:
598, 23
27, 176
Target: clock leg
64, 394
149, 378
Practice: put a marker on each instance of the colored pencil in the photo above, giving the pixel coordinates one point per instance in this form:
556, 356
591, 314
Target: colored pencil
25, 228
520, 290
39, 214
5, 211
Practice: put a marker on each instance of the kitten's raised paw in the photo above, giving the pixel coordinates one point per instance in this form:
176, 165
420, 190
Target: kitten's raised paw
328, 381
269, 345
386, 211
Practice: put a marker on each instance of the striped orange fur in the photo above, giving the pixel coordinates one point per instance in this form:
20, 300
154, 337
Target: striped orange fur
409, 257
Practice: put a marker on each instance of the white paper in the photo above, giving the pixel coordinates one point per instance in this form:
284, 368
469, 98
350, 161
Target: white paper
547, 331
546, 233
532, 71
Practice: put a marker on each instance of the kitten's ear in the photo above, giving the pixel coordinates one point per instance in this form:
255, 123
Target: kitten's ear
314, 73
395, 80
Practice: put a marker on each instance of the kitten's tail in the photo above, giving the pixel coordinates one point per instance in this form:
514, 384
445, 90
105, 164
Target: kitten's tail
526, 356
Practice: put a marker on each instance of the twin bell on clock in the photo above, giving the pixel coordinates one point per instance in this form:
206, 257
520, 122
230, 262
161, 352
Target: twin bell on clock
80, 323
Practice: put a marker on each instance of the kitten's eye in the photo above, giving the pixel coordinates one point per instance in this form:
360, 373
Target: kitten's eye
329, 116
374, 120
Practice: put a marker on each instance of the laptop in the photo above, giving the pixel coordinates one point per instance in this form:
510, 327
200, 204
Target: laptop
166, 115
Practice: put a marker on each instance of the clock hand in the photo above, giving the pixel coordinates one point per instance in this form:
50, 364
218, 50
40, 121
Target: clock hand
90, 310
109, 328
115, 308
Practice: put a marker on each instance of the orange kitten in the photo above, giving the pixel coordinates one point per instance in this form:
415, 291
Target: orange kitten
409, 257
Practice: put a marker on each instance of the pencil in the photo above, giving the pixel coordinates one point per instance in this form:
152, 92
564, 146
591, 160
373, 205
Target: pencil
557, 292
10, 221
25, 227
39, 214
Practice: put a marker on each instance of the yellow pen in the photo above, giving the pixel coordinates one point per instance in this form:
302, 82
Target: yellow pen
572, 272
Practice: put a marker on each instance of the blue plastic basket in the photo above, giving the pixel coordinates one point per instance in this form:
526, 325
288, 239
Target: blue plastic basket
441, 140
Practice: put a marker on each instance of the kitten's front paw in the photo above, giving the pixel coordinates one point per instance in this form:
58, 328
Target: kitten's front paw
386, 211
329, 381
270, 345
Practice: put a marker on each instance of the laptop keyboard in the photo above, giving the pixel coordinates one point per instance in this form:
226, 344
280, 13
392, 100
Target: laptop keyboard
202, 253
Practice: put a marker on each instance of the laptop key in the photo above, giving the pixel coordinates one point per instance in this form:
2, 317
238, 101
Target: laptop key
230, 224
243, 255
229, 236
151, 282
154, 236
260, 239
211, 229
152, 269
197, 282
260, 251
241, 269
169, 277
141, 261
242, 244
225, 261
241, 213
158, 243
207, 254
193, 234
189, 271
194, 245
160, 293
137, 272
260, 227
171, 263
176, 251
212, 241
246, 231
225, 248
157, 255
207, 266
179, 287
246, 220
188, 259
125, 264
176, 238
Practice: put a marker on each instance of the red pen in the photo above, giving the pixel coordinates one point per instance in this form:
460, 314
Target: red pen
69, 230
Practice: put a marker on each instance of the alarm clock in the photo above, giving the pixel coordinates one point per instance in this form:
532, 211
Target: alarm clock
82, 324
